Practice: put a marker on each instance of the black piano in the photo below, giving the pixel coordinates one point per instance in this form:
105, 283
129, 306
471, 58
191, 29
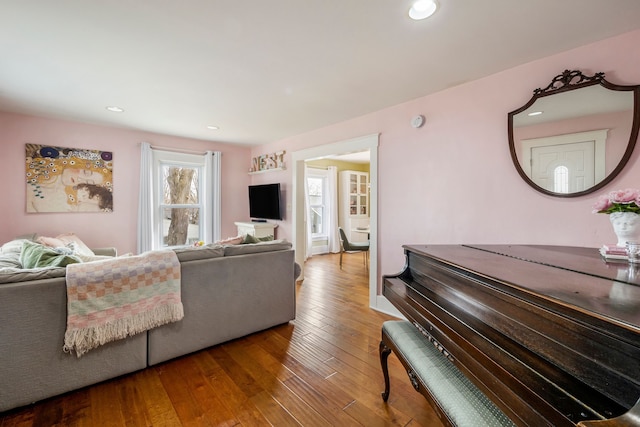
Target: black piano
550, 334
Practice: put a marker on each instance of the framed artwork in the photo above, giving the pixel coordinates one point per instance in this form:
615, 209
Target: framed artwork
63, 179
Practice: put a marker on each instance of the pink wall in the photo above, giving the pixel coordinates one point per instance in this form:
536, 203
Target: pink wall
103, 229
452, 181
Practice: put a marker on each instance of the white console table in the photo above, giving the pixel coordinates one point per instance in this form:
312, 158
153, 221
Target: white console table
257, 229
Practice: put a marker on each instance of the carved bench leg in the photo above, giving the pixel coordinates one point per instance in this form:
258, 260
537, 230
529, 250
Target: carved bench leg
384, 356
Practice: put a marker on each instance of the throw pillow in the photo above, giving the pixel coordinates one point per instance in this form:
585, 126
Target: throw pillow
13, 246
67, 240
51, 242
11, 260
253, 239
80, 247
35, 255
231, 241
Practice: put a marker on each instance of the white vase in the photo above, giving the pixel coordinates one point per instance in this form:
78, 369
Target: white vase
626, 225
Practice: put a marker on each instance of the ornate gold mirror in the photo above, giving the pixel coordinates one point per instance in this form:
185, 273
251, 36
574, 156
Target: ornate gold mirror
574, 136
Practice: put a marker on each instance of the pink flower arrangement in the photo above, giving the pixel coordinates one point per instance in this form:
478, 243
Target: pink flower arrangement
618, 201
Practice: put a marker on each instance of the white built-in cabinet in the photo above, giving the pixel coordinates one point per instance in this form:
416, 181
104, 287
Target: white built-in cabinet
353, 205
257, 229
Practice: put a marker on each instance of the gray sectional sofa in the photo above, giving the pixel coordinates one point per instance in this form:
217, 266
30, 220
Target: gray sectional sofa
227, 292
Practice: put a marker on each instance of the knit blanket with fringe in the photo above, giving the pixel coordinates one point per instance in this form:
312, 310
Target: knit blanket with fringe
112, 299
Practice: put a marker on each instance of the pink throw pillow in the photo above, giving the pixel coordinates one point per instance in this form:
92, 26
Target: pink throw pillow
51, 242
230, 241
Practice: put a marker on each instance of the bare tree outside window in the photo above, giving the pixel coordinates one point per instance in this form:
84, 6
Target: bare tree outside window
181, 205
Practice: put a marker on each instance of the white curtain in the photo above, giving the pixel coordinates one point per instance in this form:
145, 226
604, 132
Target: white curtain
332, 220
212, 224
145, 200
307, 217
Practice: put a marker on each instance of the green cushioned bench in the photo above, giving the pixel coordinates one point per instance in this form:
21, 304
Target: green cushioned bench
457, 400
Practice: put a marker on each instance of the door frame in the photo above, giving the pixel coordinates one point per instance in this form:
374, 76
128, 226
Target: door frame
367, 142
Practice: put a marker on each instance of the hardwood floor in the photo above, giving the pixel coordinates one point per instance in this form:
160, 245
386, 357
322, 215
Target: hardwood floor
320, 370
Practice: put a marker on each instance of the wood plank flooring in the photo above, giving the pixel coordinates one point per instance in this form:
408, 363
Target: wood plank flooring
320, 370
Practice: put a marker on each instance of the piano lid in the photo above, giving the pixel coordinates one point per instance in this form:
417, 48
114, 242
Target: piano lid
611, 290
577, 259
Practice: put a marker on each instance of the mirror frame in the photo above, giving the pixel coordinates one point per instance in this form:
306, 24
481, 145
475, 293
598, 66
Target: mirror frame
573, 80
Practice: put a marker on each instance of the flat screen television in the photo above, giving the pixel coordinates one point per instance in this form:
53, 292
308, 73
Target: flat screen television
264, 202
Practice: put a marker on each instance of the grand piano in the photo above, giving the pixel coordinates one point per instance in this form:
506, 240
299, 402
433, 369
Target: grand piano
550, 334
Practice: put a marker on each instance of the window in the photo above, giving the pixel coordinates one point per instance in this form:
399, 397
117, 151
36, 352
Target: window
179, 190
317, 185
179, 198
561, 179
180, 204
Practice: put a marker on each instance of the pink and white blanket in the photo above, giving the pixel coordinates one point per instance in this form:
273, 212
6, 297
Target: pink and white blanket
112, 299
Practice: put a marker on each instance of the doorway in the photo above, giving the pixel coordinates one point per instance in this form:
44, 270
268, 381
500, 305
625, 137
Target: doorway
369, 142
338, 191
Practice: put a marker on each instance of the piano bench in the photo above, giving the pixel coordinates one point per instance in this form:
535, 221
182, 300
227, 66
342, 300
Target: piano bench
457, 400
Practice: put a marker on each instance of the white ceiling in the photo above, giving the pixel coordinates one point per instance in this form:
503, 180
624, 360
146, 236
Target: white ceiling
359, 157
263, 70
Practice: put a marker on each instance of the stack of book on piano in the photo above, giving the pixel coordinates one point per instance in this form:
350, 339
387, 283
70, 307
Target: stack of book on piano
611, 252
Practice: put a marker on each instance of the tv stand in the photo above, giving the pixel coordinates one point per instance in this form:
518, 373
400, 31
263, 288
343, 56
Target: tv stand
257, 229
258, 220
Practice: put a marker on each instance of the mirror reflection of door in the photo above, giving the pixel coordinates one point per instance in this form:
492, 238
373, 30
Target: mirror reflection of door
566, 163
575, 102
563, 168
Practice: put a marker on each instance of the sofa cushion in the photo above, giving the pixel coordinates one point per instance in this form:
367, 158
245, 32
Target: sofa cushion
35, 255
28, 236
16, 275
91, 258
199, 252
252, 248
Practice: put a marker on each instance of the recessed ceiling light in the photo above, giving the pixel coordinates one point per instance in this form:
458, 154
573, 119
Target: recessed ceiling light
534, 113
114, 109
213, 127
422, 9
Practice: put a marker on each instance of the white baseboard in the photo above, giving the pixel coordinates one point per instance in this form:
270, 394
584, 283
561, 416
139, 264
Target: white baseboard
383, 305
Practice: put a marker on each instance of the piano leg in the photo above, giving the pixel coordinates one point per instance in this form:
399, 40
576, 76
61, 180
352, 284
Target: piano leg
384, 355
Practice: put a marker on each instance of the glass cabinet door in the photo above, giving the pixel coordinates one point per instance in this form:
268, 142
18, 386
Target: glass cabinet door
363, 204
363, 184
354, 196
353, 184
